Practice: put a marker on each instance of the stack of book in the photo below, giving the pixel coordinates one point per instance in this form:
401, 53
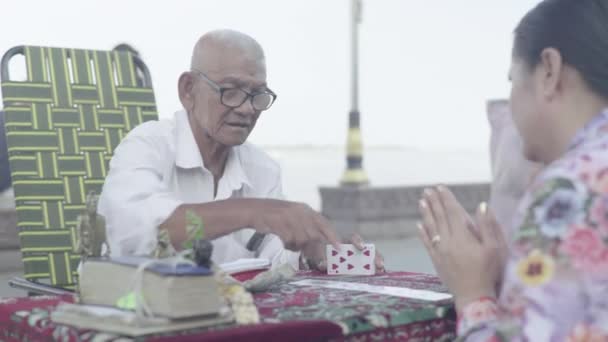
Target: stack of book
179, 297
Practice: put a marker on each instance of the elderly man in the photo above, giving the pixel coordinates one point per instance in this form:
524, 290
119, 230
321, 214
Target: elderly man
198, 162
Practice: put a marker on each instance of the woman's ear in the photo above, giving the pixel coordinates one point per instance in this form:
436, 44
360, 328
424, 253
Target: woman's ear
550, 71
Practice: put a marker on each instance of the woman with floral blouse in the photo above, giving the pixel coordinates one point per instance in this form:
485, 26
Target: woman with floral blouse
548, 279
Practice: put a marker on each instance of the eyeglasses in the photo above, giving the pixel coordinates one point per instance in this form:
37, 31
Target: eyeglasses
235, 97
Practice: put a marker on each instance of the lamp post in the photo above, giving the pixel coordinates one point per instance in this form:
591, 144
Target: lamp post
354, 173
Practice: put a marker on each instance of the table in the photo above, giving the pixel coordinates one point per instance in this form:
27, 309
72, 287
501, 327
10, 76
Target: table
289, 313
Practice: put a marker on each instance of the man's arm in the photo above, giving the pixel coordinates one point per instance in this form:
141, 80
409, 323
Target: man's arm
296, 224
271, 247
219, 218
136, 203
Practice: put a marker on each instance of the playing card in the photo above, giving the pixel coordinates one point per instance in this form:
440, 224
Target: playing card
350, 260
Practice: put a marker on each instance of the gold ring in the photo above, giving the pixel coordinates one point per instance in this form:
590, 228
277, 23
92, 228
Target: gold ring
435, 240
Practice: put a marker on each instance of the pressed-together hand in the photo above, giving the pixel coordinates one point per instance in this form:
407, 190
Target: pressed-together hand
468, 256
316, 254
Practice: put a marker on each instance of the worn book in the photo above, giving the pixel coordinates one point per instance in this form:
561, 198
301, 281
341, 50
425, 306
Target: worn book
179, 291
124, 322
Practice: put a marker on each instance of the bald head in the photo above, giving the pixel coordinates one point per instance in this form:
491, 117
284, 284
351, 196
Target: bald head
225, 65
215, 48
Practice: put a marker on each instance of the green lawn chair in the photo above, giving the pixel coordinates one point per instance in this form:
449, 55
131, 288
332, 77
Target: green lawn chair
62, 126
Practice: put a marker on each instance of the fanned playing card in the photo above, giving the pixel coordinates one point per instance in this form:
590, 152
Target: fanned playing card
350, 260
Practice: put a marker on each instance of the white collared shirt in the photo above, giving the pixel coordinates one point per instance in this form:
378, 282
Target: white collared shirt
158, 167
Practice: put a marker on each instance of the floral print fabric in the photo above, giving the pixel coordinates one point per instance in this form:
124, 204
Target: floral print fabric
556, 278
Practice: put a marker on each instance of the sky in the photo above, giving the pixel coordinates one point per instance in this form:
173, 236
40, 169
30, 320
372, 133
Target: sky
427, 68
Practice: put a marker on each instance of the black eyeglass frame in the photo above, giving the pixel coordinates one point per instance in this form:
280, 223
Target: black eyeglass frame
250, 96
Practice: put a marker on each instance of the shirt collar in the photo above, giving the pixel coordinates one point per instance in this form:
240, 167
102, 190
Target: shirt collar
234, 173
597, 126
188, 155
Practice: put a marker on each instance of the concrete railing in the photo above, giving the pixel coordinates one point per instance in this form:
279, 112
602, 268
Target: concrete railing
387, 212
373, 212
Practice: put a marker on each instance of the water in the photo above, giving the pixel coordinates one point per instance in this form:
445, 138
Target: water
307, 168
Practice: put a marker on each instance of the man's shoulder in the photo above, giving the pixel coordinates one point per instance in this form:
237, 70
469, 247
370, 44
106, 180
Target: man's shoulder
154, 135
154, 129
257, 160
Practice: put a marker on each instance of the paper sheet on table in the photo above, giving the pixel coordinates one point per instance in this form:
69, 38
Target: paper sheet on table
379, 289
107, 313
242, 265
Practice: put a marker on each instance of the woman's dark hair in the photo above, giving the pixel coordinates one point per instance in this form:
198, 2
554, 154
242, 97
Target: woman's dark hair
578, 29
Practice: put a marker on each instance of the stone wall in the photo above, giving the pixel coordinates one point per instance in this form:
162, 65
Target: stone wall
386, 212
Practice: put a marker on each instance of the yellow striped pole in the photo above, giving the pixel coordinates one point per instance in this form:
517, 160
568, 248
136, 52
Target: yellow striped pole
354, 173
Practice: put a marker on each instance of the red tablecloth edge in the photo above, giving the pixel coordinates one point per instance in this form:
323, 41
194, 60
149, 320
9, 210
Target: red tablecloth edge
316, 330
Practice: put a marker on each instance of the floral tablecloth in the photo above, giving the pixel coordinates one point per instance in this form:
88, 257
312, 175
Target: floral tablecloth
289, 313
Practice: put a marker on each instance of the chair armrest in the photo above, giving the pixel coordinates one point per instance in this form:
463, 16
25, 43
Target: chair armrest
35, 288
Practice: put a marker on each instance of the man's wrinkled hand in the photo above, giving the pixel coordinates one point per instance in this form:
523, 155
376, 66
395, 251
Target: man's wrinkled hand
296, 224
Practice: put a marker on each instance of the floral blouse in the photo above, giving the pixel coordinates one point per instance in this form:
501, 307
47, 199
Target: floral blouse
556, 279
